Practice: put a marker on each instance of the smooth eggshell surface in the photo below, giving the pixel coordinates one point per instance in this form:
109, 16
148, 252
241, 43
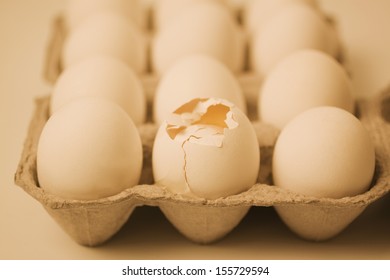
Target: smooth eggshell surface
258, 12
214, 152
324, 152
204, 28
294, 27
106, 33
104, 77
304, 79
195, 76
166, 10
89, 149
78, 10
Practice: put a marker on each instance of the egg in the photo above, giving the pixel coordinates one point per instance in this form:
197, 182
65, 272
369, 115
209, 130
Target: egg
293, 28
109, 34
166, 10
206, 148
205, 28
304, 79
195, 76
78, 10
324, 152
89, 149
257, 12
104, 77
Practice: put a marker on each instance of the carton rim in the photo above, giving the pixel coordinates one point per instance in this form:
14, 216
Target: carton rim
258, 195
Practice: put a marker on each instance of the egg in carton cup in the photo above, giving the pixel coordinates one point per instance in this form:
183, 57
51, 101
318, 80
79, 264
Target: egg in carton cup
247, 73
53, 67
249, 79
92, 222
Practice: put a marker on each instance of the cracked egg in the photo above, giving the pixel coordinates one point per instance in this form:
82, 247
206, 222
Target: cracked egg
206, 148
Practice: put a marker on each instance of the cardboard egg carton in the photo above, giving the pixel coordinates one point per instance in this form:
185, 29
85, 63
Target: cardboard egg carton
95, 221
201, 220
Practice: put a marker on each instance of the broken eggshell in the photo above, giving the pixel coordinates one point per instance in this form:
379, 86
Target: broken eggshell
195, 76
207, 148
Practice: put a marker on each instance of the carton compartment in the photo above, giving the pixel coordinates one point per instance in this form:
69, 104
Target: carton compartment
96, 221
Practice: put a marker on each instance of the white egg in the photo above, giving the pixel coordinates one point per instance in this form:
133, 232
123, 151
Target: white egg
257, 12
195, 76
324, 152
106, 34
104, 77
78, 10
166, 10
304, 79
205, 28
293, 28
207, 148
89, 149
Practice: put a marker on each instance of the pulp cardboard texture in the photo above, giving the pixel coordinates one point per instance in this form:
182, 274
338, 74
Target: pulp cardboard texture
203, 221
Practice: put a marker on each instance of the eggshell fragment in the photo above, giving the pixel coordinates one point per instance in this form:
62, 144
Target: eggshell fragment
104, 77
205, 28
107, 34
304, 79
89, 149
293, 28
78, 10
324, 152
211, 147
195, 76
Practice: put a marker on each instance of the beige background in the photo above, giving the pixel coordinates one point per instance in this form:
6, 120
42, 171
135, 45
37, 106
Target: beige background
28, 232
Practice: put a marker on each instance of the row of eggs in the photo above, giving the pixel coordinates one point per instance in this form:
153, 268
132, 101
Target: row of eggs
305, 79
206, 146
193, 26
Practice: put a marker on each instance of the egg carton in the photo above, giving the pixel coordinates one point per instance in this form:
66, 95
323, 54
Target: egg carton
94, 222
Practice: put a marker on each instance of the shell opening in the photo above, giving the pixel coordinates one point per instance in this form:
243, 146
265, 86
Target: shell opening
200, 121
